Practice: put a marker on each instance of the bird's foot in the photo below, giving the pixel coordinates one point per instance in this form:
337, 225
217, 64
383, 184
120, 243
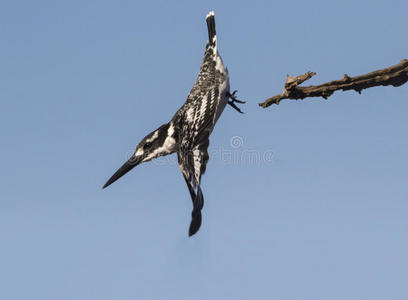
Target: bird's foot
233, 100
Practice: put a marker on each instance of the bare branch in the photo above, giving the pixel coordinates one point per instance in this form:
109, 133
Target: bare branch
395, 75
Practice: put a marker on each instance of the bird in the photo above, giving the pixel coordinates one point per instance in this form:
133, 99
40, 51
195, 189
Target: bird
187, 133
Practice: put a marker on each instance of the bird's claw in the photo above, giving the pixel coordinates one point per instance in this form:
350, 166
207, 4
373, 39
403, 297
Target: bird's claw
233, 100
232, 96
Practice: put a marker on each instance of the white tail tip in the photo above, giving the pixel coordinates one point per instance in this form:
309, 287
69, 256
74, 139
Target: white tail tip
210, 14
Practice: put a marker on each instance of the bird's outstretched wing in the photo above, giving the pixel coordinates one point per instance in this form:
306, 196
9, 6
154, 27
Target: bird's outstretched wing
192, 165
196, 120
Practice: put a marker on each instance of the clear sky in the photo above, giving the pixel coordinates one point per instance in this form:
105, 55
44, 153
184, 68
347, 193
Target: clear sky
309, 202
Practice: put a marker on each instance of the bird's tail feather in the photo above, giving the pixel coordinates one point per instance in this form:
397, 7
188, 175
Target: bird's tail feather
212, 39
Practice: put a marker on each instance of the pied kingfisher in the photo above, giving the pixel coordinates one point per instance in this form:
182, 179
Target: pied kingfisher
188, 131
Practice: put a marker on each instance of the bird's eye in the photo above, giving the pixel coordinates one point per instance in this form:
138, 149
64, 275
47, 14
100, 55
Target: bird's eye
147, 146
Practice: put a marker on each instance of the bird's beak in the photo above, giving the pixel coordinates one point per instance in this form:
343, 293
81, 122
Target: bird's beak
127, 166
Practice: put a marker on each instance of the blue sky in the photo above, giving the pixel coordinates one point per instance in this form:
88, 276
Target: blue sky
323, 217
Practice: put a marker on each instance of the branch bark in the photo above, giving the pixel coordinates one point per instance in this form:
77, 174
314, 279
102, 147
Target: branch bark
395, 75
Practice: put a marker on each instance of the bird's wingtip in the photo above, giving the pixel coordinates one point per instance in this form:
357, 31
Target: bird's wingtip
195, 225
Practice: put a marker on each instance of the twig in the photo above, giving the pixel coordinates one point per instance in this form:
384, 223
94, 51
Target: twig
395, 75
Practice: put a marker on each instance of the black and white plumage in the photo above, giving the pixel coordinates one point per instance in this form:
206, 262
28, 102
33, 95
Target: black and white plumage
188, 131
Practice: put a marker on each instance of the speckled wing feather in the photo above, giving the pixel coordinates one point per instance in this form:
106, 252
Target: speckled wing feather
203, 106
197, 117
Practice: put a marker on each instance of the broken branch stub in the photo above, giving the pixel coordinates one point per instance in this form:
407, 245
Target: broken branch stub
395, 75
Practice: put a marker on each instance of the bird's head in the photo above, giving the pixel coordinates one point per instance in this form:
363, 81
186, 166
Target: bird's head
160, 142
